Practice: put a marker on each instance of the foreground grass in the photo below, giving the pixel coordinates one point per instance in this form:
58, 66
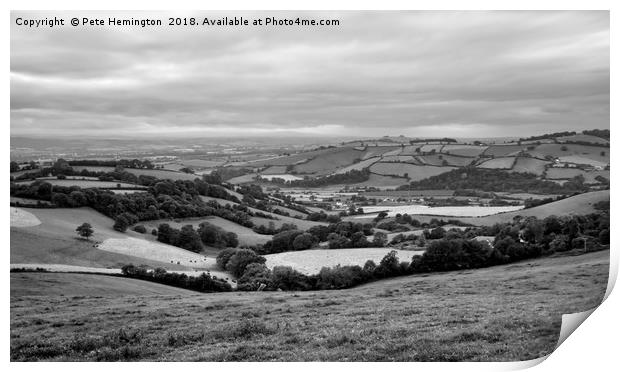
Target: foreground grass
503, 313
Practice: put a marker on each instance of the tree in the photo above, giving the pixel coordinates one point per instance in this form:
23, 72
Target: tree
380, 239
14, 167
85, 230
304, 241
243, 257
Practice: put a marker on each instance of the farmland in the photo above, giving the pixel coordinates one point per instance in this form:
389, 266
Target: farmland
311, 261
319, 300
413, 172
495, 307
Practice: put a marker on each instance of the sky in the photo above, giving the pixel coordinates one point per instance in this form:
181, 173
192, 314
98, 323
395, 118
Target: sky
419, 74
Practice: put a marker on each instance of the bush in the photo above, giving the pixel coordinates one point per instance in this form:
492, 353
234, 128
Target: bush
139, 229
241, 259
224, 256
288, 279
254, 275
341, 277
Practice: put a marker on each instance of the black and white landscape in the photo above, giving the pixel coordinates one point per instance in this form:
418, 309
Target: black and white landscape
394, 186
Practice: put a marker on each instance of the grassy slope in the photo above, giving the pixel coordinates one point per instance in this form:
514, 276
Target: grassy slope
504, 313
579, 204
55, 240
63, 284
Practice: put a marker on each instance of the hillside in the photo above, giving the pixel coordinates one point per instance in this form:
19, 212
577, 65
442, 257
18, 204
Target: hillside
85, 285
505, 313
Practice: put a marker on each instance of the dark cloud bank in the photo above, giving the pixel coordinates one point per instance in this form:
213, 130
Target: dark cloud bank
462, 74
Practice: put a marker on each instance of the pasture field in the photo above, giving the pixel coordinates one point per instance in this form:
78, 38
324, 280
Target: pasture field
451, 211
503, 313
464, 150
583, 138
286, 177
87, 183
313, 260
600, 154
71, 285
373, 151
274, 169
503, 150
329, 162
581, 160
399, 159
429, 148
357, 166
530, 165
498, 163
201, 163
567, 173
159, 173
382, 182
414, 172
410, 150
63, 247
242, 179
574, 205
438, 160
23, 218
407, 193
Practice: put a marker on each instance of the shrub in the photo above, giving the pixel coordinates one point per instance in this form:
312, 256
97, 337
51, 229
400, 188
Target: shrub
224, 256
341, 277
288, 279
139, 229
254, 275
243, 257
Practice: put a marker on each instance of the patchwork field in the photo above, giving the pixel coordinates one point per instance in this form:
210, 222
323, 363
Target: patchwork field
63, 247
583, 138
498, 163
530, 165
313, 260
329, 162
600, 154
503, 150
503, 313
159, 173
413, 172
357, 166
87, 183
567, 173
464, 150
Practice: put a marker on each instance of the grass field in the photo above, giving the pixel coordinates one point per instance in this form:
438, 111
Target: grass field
23, 218
55, 241
504, 313
357, 166
327, 163
503, 150
530, 165
87, 183
600, 154
464, 150
575, 205
566, 173
159, 173
414, 172
583, 138
498, 163
313, 260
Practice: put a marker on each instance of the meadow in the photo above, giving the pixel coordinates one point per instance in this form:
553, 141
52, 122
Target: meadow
504, 313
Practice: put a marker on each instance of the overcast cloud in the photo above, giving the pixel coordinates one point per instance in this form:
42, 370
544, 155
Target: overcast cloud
459, 74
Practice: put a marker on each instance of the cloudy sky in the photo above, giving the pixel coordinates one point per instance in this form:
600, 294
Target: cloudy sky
459, 74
